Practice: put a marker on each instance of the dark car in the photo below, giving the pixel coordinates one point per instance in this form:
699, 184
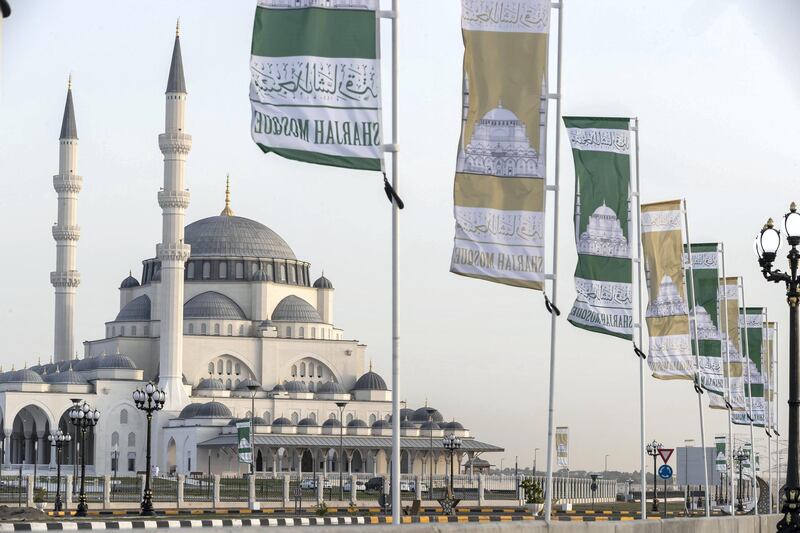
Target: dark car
375, 483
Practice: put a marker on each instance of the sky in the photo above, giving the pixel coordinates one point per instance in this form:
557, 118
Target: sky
713, 83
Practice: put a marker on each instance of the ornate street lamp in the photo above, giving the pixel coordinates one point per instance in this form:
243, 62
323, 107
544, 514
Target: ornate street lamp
57, 440
341, 406
652, 450
452, 444
83, 417
740, 457
766, 247
148, 400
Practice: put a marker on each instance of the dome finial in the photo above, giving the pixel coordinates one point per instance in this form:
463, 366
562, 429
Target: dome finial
227, 212
178, 27
69, 82
370, 365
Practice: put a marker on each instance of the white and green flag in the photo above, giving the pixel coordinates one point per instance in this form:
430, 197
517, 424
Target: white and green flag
603, 277
733, 360
562, 447
752, 319
315, 88
720, 453
704, 304
244, 442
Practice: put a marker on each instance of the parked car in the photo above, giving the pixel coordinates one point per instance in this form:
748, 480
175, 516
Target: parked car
411, 486
311, 483
375, 484
360, 485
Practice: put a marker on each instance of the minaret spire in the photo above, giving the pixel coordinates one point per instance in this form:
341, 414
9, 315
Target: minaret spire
227, 212
173, 251
66, 233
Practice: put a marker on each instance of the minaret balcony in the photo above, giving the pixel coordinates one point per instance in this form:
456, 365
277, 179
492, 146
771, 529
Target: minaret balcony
67, 183
66, 233
173, 199
70, 278
173, 252
175, 143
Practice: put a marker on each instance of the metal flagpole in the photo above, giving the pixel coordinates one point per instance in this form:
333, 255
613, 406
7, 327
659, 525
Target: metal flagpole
777, 498
637, 264
698, 380
750, 399
548, 504
729, 400
395, 488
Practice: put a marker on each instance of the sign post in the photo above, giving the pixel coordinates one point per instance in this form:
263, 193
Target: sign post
665, 471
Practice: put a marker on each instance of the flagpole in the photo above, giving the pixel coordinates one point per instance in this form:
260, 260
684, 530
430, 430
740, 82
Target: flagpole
729, 451
777, 418
548, 504
750, 394
637, 265
395, 488
697, 359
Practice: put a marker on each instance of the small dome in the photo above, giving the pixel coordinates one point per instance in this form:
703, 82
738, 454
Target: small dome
86, 364
501, 114
278, 388
331, 387
116, 361
213, 410
407, 424
266, 324
422, 414
370, 381
210, 384
295, 309
405, 414
259, 421
381, 424
430, 426
259, 275
282, 421
245, 385
137, 310
357, 423
331, 423
26, 375
70, 377
129, 282
307, 422
451, 425
213, 305
190, 410
295, 386
323, 283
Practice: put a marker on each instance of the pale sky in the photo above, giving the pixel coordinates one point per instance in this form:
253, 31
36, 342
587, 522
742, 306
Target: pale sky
714, 83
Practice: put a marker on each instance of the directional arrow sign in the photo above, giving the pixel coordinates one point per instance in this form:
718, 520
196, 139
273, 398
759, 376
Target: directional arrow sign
665, 471
665, 454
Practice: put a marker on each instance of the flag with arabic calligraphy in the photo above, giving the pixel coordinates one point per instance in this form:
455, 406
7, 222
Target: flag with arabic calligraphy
667, 315
562, 447
751, 321
731, 346
603, 277
704, 305
499, 186
315, 90
720, 455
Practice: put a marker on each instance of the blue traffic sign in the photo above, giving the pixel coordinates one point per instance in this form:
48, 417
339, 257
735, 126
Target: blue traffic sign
665, 472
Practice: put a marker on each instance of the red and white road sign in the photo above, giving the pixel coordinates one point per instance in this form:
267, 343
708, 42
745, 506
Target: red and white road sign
665, 454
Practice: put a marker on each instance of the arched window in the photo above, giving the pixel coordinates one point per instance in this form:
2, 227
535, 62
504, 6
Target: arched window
313, 417
319, 371
270, 272
216, 329
228, 384
241, 330
268, 417
302, 332
190, 270
191, 328
236, 384
203, 328
313, 333
115, 439
228, 367
206, 270
302, 370
237, 368
131, 439
294, 370
292, 274
289, 332
133, 330
123, 416
295, 418
311, 370
122, 331
371, 419
282, 273
210, 368
220, 367
223, 270
230, 330
239, 270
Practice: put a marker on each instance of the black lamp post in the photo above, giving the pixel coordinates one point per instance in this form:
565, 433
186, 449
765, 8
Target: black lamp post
740, 457
452, 444
253, 391
83, 417
148, 400
341, 406
652, 451
57, 441
766, 247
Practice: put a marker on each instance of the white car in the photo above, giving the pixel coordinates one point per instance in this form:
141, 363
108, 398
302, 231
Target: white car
310, 483
360, 485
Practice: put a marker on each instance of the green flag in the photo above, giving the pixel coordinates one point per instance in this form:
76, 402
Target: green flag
245, 445
720, 453
315, 89
704, 303
603, 277
752, 319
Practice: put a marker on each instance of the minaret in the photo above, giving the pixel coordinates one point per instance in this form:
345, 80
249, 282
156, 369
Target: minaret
173, 252
66, 233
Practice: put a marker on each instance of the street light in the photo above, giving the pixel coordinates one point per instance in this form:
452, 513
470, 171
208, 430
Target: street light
148, 400
740, 457
57, 440
452, 444
82, 417
341, 406
253, 391
766, 247
652, 451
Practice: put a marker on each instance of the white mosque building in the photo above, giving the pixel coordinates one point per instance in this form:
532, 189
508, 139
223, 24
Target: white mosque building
224, 317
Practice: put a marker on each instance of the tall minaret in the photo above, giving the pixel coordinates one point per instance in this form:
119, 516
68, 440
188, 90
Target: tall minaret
173, 252
66, 233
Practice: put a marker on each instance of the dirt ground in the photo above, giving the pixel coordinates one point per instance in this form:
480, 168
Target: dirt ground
21, 514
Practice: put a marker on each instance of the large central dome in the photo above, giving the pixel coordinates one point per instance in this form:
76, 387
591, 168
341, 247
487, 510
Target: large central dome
231, 236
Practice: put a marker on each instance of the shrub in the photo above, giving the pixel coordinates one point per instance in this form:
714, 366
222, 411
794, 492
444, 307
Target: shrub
533, 491
321, 509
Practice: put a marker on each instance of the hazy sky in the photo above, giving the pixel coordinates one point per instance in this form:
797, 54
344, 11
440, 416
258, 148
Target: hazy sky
714, 83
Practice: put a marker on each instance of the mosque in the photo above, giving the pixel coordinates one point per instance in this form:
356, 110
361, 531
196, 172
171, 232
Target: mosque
226, 319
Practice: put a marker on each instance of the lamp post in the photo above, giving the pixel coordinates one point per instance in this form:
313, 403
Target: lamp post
652, 450
766, 247
740, 457
341, 406
115, 460
452, 444
253, 391
83, 417
57, 441
148, 400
